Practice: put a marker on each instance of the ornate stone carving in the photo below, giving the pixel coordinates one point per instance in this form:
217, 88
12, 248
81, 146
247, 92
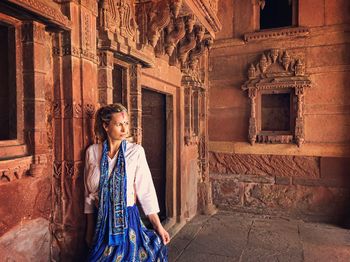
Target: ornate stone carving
175, 32
198, 51
33, 31
175, 7
14, 169
159, 18
135, 103
89, 110
186, 46
128, 25
276, 33
277, 72
42, 8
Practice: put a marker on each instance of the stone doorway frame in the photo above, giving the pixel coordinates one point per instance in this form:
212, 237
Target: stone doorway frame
170, 176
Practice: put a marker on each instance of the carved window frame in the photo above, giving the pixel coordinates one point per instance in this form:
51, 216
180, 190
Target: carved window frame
277, 72
16, 147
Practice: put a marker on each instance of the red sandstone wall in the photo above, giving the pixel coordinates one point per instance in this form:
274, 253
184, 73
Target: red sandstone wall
312, 179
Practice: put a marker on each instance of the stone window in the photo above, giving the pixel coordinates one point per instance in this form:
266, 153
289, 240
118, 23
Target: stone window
8, 116
277, 13
275, 112
276, 88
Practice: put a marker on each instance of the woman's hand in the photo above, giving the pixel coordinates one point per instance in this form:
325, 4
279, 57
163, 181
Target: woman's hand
163, 234
159, 228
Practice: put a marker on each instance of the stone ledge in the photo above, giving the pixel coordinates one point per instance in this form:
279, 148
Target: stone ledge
277, 33
15, 168
244, 178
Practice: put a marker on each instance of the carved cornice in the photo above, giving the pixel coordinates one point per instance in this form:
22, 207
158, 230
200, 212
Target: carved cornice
48, 11
276, 33
205, 14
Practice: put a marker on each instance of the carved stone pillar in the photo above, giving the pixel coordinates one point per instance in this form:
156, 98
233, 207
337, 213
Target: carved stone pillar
299, 125
75, 92
135, 106
188, 111
105, 77
33, 38
252, 120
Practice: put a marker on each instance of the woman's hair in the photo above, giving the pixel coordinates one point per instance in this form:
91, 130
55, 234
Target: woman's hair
103, 116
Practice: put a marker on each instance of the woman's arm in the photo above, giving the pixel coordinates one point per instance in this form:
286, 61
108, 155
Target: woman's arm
154, 219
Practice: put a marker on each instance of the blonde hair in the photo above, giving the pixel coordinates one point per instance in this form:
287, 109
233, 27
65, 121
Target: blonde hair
103, 116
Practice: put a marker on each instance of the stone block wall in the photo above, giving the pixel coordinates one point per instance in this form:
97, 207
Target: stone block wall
309, 187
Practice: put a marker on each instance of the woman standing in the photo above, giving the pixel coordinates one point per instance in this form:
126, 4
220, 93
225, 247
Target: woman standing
116, 173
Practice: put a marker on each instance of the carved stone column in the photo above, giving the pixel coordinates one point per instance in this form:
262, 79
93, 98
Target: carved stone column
135, 106
105, 77
75, 80
188, 111
33, 38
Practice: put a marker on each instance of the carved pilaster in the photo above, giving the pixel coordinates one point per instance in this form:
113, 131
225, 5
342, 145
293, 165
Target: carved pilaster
299, 122
34, 38
252, 120
135, 107
188, 113
105, 77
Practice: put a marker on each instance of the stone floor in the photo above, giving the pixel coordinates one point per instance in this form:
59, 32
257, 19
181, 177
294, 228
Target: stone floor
242, 237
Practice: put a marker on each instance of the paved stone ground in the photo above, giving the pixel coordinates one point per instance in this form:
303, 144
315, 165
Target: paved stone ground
243, 237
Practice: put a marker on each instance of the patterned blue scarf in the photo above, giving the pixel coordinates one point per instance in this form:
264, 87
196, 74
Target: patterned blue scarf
112, 217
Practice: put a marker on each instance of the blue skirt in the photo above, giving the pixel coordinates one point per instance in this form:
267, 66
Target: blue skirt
142, 244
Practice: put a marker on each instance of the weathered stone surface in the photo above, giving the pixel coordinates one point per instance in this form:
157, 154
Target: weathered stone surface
231, 236
269, 165
30, 198
269, 196
227, 192
29, 241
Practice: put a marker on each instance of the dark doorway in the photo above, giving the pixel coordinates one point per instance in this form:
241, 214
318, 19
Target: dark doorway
8, 112
276, 13
154, 141
118, 83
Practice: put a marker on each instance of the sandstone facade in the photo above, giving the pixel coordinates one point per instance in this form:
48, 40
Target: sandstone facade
303, 170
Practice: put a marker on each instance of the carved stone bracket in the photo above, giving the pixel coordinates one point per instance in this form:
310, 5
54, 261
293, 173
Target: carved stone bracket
13, 169
175, 32
277, 72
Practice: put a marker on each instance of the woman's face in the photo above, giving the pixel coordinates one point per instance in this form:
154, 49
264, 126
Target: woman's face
118, 128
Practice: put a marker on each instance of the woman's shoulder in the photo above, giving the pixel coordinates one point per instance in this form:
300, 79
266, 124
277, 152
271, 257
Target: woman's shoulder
133, 148
92, 151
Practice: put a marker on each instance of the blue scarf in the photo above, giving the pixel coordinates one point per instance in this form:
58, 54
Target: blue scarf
112, 220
